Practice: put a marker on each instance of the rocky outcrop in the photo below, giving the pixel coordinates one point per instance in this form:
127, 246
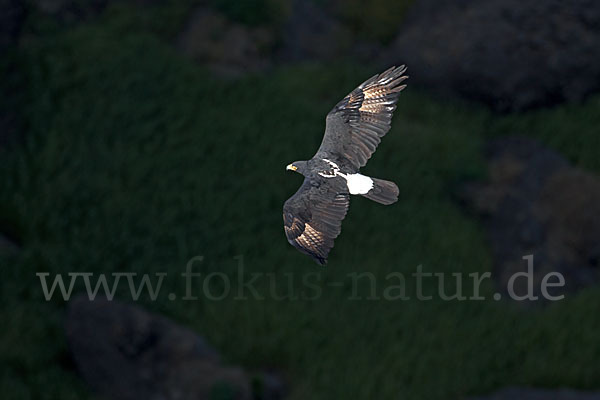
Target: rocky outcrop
71, 11
509, 54
11, 20
536, 203
227, 47
518, 393
7, 246
311, 33
126, 353
12, 85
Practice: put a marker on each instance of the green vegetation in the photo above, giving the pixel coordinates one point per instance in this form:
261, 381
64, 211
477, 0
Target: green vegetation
137, 160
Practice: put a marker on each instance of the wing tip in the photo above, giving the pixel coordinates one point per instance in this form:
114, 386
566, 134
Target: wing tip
389, 78
398, 70
320, 260
393, 75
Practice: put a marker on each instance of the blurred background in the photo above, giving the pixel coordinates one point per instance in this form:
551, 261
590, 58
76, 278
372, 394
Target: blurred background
138, 134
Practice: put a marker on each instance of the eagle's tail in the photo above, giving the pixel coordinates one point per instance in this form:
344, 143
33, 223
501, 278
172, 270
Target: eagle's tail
383, 192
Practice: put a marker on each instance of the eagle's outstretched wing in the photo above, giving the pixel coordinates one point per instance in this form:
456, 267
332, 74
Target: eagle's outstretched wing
312, 217
356, 124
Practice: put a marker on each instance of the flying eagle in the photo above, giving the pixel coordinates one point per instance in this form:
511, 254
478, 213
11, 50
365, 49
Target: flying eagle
313, 216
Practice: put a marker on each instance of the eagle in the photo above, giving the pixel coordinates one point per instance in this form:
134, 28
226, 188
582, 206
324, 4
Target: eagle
313, 216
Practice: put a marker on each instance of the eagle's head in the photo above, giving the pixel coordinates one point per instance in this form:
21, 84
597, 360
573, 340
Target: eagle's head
297, 166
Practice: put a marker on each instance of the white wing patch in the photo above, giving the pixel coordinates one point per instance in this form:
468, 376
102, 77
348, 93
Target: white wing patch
357, 183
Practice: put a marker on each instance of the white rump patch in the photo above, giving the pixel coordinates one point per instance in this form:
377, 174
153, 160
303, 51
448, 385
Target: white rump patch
357, 183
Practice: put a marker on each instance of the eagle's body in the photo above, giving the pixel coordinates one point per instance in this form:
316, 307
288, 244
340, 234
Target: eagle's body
313, 216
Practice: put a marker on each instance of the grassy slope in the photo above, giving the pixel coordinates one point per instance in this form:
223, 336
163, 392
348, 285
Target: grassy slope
138, 160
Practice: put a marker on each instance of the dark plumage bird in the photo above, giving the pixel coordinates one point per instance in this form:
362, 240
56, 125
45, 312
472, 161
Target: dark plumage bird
313, 216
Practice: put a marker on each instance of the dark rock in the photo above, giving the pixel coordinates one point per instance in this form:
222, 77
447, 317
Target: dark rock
74, 11
126, 353
12, 85
11, 21
227, 47
271, 387
516, 393
71, 11
536, 203
509, 54
310, 33
7, 246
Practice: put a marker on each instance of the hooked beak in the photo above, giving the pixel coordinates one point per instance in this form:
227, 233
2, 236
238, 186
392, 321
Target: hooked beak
291, 167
